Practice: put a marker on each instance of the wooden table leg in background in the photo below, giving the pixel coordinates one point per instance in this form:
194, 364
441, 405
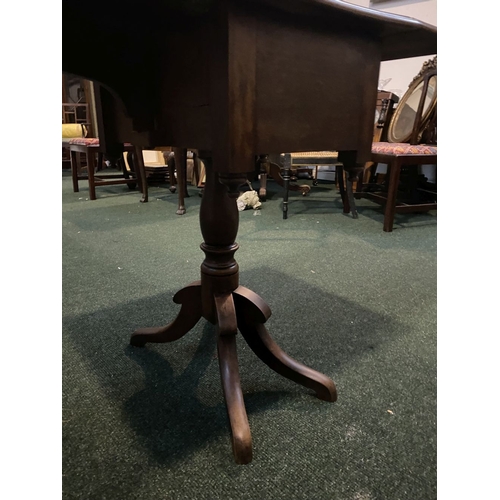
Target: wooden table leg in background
352, 169
140, 173
177, 171
91, 164
220, 299
180, 155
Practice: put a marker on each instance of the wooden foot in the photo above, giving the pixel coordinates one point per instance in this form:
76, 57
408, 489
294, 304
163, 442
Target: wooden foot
252, 312
190, 313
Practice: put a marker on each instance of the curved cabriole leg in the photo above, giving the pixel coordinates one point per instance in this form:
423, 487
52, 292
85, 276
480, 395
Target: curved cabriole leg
252, 312
190, 299
230, 378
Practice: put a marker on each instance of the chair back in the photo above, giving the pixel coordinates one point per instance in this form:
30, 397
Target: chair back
416, 113
383, 114
77, 113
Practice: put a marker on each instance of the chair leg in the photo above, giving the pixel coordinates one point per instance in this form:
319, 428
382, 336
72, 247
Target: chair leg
196, 168
140, 174
100, 161
363, 177
287, 163
350, 197
339, 174
91, 172
180, 155
74, 170
171, 172
392, 191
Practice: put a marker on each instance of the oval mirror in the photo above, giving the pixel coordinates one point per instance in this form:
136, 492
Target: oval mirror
405, 115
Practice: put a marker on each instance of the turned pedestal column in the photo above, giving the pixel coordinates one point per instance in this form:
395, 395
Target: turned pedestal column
220, 299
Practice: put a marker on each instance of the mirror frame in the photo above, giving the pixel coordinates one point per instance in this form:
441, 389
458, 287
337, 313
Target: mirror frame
429, 69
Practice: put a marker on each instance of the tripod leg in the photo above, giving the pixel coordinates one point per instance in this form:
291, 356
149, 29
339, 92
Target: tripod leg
230, 378
190, 299
250, 315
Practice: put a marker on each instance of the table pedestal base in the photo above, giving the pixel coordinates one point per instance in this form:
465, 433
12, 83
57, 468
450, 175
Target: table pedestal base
245, 311
220, 299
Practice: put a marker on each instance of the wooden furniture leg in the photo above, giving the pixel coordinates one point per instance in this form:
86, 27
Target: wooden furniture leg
252, 313
352, 169
287, 165
74, 170
170, 161
350, 197
220, 300
190, 299
91, 172
392, 191
263, 169
263, 186
196, 168
100, 161
140, 173
275, 173
339, 174
180, 155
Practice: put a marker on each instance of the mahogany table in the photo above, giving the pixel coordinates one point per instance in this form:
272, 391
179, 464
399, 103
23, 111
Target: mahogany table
236, 79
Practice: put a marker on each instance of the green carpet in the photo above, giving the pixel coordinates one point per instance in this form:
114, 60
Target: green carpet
348, 300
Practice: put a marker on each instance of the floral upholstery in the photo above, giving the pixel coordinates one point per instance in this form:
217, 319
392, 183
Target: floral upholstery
89, 141
400, 148
85, 141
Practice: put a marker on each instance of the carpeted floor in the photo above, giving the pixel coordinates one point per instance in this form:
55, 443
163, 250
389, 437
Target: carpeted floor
349, 300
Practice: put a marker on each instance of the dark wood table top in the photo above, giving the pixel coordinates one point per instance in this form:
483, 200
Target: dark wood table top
186, 71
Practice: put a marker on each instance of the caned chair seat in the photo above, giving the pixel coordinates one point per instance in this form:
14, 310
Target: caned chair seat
314, 154
314, 158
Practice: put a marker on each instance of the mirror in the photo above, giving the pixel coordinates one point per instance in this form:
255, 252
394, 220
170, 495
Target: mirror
405, 116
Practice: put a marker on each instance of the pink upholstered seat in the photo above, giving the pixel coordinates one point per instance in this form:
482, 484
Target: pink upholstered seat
84, 141
89, 141
400, 148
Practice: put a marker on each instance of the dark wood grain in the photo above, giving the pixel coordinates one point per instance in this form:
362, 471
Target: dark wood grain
271, 76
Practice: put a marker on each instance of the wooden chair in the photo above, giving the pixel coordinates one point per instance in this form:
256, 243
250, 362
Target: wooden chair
290, 163
76, 123
182, 156
90, 147
411, 141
